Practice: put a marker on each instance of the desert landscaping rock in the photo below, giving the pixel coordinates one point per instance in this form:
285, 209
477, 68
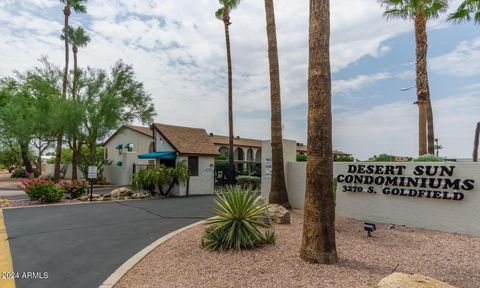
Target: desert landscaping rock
400, 280
363, 261
278, 214
121, 192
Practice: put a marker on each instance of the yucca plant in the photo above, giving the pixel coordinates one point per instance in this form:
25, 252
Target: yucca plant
239, 213
270, 237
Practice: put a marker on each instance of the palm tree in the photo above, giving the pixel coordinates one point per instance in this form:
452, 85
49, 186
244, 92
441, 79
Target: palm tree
318, 241
420, 11
465, 11
79, 7
223, 14
78, 38
278, 189
475, 143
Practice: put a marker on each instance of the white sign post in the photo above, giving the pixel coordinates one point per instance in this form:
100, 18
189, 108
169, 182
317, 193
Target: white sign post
92, 176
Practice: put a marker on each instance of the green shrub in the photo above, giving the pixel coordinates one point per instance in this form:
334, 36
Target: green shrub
156, 179
75, 188
249, 181
22, 173
428, 158
239, 213
301, 158
384, 158
344, 159
42, 190
18, 173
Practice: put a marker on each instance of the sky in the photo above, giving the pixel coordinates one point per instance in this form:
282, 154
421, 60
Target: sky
177, 48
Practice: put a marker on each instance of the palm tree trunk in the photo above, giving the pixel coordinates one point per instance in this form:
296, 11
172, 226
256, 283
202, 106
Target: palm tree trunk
231, 164
475, 143
430, 131
278, 189
75, 147
318, 241
58, 154
422, 80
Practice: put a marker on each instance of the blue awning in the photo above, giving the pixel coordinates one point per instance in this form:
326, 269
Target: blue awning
119, 146
158, 155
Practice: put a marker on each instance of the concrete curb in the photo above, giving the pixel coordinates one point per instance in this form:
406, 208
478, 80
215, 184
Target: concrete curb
122, 270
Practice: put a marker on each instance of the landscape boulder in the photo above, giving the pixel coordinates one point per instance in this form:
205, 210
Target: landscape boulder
403, 280
86, 197
139, 195
121, 193
278, 214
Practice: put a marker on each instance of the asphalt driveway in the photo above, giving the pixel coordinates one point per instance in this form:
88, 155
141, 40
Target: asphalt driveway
81, 245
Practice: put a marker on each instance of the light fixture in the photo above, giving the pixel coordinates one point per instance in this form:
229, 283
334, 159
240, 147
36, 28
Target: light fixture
369, 227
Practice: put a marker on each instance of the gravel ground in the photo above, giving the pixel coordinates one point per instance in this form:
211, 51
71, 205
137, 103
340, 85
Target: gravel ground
363, 261
26, 202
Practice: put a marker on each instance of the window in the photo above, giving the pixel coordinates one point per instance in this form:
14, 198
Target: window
193, 165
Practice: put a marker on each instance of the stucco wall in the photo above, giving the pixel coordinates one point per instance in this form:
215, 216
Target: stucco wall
436, 214
289, 155
140, 141
161, 144
203, 184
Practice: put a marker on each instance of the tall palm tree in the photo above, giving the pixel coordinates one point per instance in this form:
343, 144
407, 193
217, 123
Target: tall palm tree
77, 37
318, 241
420, 11
79, 7
467, 10
278, 189
475, 143
223, 14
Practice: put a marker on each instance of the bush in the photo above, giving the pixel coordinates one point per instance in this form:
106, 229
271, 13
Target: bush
42, 190
18, 173
301, 158
344, 159
75, 189
239, 213
249, 181
161, 178
21, 173
428, 158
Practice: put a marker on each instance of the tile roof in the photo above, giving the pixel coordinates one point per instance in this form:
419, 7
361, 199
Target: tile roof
223, 140
144, 130
140, 129
248, 142
187, 140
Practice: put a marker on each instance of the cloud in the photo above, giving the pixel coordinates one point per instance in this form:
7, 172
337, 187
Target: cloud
392, 128
178, 51
464, 60
358, 83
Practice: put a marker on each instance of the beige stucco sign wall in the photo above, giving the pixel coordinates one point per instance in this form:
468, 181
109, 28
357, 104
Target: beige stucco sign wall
439, 196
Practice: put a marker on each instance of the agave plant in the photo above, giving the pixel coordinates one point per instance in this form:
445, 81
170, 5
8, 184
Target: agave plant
239, 213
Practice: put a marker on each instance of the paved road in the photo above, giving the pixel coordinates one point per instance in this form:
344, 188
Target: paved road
81, 245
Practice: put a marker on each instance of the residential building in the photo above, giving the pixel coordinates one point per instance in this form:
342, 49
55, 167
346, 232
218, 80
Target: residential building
193, 146
129, 138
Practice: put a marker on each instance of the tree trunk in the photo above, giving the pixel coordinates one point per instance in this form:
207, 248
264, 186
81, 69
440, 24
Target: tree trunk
278, 189
422, 80
318, 241
25, 159
58, 154
231, 164
430, 130
75, 148
475, 143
